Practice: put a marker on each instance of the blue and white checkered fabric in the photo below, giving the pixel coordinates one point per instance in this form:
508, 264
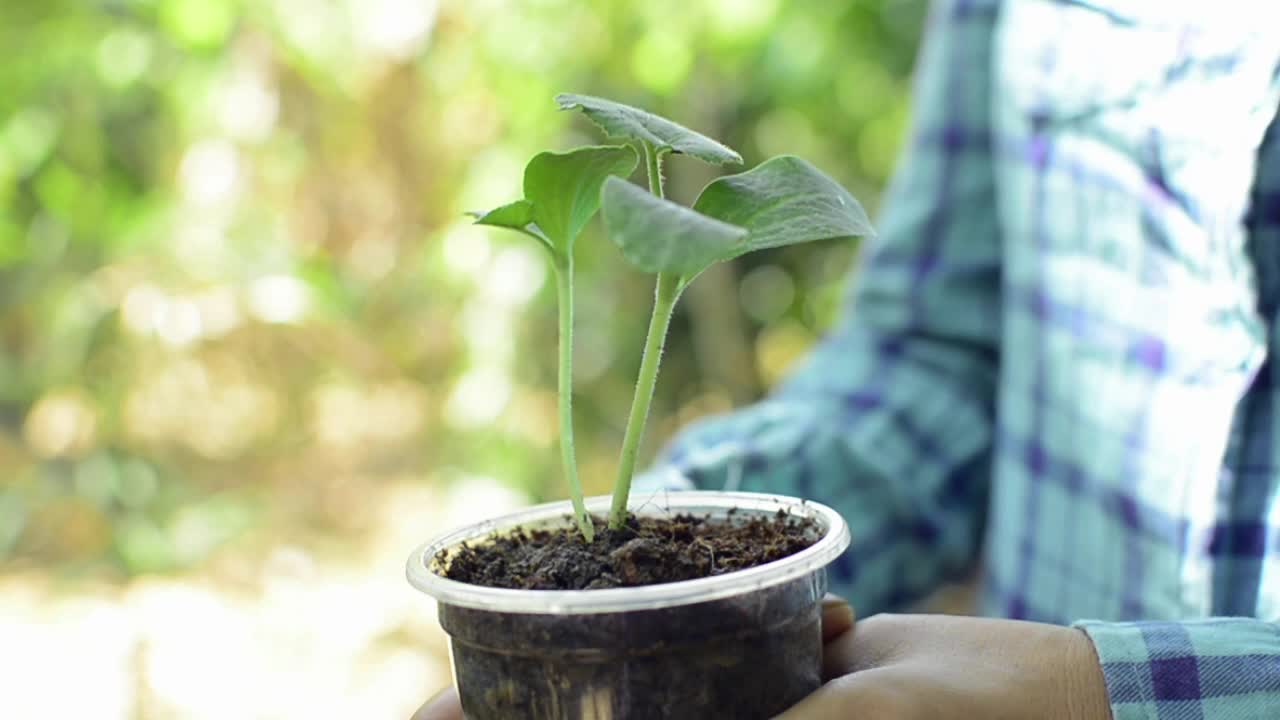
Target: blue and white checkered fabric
1058, 361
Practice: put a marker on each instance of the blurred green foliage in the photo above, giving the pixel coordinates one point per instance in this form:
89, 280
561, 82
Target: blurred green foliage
238, 294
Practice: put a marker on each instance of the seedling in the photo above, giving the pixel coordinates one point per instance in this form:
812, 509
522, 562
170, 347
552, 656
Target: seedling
783, 201
561, 194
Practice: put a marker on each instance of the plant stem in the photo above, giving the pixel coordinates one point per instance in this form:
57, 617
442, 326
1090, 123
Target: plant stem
564, 287
653, 162
664, 302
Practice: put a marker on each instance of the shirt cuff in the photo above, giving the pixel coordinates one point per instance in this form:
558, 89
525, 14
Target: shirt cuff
1210, 669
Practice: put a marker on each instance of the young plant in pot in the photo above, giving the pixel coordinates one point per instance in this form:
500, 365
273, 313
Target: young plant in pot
698, 604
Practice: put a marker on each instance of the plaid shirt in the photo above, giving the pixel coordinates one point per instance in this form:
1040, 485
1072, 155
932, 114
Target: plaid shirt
1058, 362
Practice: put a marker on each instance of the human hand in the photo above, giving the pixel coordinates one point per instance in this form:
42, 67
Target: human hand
444, 706
903, 667
837, 621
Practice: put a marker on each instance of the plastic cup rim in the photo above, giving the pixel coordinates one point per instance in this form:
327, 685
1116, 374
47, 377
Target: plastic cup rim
835, 539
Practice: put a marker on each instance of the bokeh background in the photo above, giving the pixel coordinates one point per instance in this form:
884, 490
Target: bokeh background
251, 351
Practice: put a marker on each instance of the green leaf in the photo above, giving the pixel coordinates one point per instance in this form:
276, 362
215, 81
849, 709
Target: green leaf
784, 201
623, 121
514, 215
564, 188
659, 236
517, 216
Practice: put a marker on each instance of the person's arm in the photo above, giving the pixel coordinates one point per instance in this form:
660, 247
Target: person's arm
1214, 668
1211, 668
889, 421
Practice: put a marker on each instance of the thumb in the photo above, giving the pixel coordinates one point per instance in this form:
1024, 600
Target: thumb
445, 706
837, 617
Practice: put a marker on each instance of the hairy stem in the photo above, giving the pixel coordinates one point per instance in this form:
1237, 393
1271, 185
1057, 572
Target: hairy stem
564, 286
653, 162
664, 302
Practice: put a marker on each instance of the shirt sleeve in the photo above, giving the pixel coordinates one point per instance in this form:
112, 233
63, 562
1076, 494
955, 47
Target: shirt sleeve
1211, 669
889, 420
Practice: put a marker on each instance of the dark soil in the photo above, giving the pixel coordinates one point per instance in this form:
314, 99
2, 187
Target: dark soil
647, 551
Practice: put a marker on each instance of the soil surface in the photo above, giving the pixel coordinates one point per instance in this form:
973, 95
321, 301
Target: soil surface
647, 551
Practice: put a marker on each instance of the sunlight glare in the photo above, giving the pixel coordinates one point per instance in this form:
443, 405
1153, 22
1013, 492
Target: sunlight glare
63, 422
478, 398
278, 299
396, 29
210, 172
466, 249
517, 273
248, 106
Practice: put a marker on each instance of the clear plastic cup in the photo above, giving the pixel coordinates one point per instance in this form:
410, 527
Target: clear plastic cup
747, 644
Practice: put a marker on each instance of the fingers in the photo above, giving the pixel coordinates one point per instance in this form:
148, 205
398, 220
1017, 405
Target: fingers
837, 617
444, 706
879, 641
838, 657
